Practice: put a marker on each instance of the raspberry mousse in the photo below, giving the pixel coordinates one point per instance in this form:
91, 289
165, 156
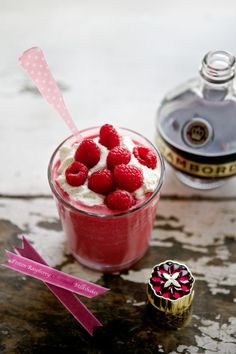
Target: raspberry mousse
107, 188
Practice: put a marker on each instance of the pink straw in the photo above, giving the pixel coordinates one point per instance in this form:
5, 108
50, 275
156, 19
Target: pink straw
34, 63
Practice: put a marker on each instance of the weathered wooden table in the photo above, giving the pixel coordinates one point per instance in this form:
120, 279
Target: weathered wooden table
113, 63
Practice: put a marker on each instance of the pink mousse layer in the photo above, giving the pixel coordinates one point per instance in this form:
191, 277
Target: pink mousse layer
117, 241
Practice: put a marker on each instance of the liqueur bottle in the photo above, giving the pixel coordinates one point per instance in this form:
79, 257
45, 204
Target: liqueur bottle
196, 124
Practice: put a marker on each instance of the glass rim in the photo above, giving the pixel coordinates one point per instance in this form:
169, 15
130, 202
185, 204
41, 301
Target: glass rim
227, 55
217, 75
58, 195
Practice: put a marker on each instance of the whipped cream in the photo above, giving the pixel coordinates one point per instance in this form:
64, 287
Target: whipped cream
83, 194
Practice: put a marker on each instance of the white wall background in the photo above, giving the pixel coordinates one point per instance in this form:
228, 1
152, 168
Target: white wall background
115, 61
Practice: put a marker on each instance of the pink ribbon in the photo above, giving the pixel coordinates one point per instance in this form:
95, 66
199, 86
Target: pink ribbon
62, 285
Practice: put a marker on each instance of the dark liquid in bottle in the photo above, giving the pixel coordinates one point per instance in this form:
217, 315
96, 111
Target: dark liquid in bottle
220, 114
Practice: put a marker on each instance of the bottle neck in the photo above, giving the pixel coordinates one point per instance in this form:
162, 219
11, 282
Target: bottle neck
215, 92
217, 74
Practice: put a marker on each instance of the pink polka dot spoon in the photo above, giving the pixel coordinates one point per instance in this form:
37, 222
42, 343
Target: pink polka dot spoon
34, 63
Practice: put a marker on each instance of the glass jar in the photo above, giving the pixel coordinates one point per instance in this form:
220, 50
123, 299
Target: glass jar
106, 242
196, 124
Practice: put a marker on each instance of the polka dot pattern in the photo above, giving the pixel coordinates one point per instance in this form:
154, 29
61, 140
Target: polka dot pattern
34, 63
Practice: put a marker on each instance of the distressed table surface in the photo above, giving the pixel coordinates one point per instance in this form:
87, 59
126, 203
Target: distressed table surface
114, 61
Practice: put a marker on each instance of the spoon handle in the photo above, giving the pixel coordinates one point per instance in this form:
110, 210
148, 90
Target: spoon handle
34, 63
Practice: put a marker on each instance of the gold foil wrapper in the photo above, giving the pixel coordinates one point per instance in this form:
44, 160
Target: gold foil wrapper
169, 321
170, 306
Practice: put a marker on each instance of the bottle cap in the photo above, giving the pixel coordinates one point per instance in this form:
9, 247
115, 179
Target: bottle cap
170, 287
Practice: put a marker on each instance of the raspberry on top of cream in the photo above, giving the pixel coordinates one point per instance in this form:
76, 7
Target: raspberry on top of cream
109, 169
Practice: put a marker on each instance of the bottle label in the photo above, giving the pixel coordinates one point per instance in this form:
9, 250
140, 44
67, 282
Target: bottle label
194, 168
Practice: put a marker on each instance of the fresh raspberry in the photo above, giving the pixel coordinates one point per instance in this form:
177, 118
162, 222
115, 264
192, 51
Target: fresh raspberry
101, 181
128, 177
119, 200
109, 136
145, 156
117, 156
88, 153
76, 174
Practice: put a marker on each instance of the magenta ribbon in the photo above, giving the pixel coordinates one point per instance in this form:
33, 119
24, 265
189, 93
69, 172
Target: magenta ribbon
62, 285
